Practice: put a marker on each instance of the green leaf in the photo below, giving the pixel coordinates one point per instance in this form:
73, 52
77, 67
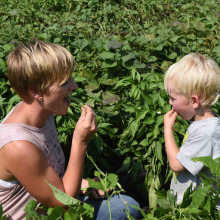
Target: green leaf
152, 195
156, 131
63, 197
210, 163
109, 64
126, 165
128, 57
156, 97
141, 114
187, 197
112, 180
175, 38
56, 213
167, 108
43, 36
199, 195
1, 211
159, 120
104, 125
172, 56
158, 151
194, 211
95, 184
107, 55
81, 44
70, 216
134, 127
149, 120
31, 206
159, 48
216, 49
7, 47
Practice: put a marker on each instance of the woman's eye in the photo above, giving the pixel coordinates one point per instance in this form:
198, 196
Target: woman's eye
65, 83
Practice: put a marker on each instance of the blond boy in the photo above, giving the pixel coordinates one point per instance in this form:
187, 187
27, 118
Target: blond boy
193, 85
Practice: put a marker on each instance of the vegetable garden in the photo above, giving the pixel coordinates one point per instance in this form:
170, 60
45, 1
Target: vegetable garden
122, 50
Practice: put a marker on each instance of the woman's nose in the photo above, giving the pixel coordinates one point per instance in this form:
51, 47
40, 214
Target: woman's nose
73, 84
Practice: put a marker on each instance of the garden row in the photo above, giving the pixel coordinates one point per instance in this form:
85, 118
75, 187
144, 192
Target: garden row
121, 49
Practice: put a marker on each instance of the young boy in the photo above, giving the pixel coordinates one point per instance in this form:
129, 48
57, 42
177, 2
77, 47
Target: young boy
193, 85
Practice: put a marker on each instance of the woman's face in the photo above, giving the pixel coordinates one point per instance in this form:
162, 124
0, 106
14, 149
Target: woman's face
55, 99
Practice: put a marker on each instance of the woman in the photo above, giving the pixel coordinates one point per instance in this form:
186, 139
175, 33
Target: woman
30, 152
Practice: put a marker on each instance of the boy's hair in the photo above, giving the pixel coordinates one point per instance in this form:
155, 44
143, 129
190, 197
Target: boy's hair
36, 65
195, 74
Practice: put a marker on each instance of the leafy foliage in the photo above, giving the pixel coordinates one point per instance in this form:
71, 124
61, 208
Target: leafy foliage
75, 209
2, 217
122, 49
196, 204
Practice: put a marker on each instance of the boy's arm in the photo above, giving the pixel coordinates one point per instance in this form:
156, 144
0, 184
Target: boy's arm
170, 144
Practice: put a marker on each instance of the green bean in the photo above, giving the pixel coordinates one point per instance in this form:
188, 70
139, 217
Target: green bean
77, 101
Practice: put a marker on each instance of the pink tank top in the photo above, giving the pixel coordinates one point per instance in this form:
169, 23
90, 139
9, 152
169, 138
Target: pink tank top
13, 196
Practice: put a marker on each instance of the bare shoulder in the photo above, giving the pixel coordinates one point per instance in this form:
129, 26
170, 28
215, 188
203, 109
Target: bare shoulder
18, 155
20, 150
26, 162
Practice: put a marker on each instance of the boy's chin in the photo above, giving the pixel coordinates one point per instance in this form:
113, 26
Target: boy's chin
188, 118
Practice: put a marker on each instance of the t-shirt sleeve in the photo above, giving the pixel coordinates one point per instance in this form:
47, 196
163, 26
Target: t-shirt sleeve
198, 145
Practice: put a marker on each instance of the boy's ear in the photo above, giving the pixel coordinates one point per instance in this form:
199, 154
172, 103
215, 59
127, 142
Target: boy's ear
195, 101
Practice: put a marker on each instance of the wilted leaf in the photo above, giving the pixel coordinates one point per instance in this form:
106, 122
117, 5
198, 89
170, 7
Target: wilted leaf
114, 44
13, 12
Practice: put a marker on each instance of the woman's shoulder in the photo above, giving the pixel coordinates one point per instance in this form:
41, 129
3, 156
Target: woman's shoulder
19, 133
10, 132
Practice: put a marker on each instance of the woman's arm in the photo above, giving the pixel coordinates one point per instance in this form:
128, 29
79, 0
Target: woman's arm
84, 131
27, 163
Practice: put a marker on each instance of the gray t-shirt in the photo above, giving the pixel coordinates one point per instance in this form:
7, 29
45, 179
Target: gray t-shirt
202, 139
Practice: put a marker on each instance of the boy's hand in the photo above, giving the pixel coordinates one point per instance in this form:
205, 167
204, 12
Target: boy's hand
170, 119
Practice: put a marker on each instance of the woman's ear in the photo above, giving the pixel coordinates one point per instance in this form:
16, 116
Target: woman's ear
195, 101
36, 95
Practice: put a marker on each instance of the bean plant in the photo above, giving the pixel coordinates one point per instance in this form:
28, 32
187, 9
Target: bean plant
122, 50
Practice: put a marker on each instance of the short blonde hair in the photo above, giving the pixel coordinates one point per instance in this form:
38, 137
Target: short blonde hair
195, 74
36, 65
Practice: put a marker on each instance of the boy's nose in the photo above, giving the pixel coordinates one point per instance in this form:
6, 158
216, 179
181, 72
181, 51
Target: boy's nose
170, 101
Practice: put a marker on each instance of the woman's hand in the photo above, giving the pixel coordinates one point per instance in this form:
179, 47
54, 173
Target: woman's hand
95, 193
86, 126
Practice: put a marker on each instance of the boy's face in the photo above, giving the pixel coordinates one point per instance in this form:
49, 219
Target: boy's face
182, 105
